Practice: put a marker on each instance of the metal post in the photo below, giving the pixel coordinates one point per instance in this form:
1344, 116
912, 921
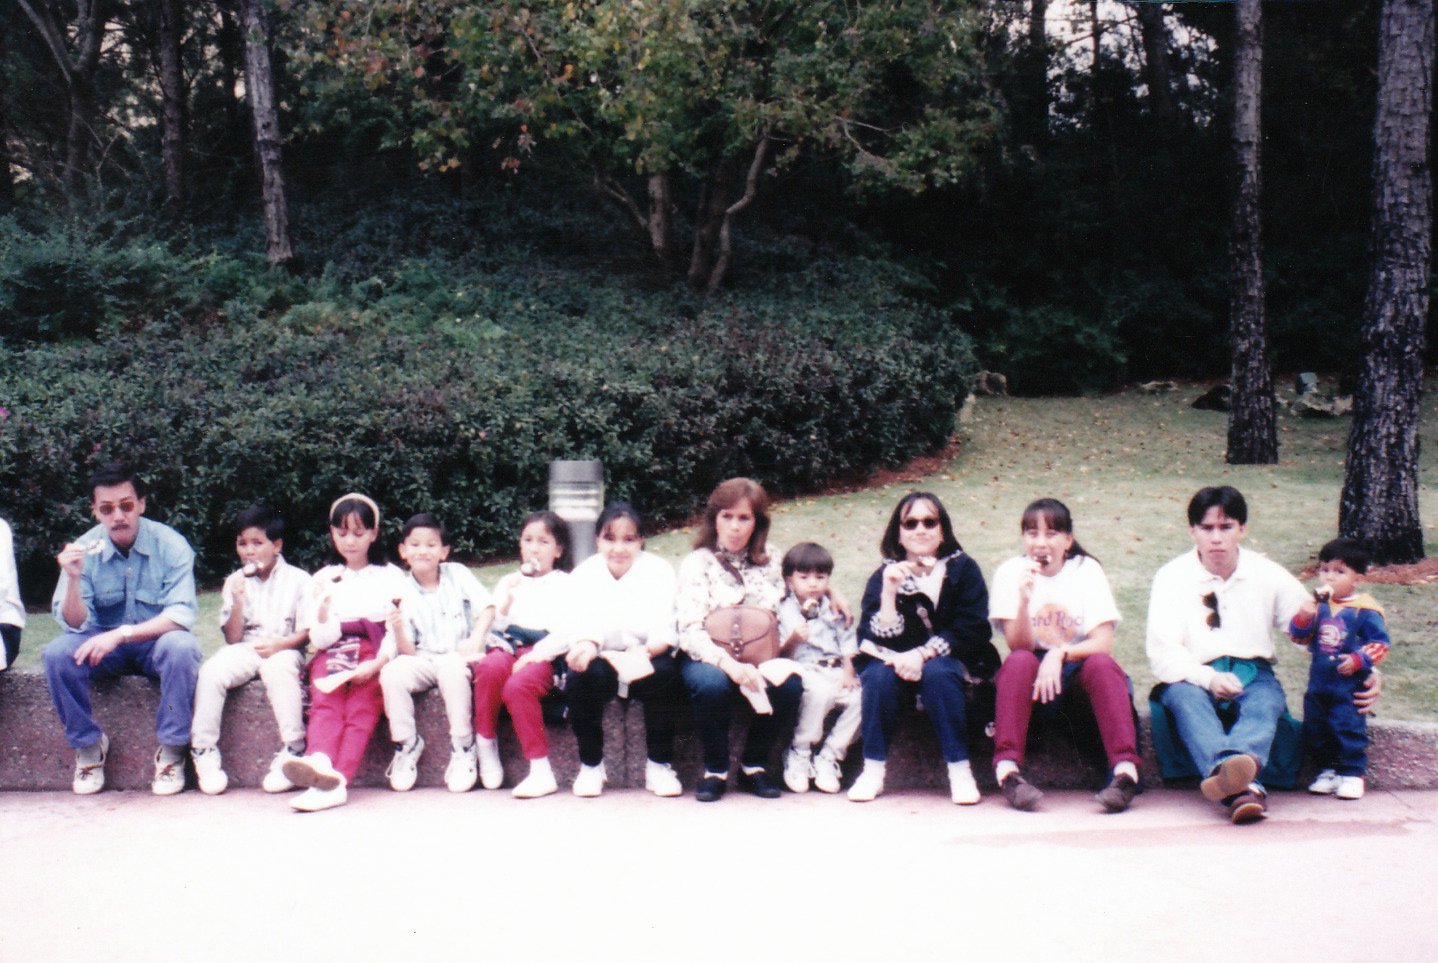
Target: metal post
576, 494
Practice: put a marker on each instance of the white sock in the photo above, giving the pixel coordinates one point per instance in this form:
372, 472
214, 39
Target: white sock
716, 775
540, 767
1126, 769
876, 766
1005, 768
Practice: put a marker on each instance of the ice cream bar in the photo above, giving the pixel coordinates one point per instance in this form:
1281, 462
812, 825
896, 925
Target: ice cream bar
250, 569
95, 547
925, 564
529, 569
810, 608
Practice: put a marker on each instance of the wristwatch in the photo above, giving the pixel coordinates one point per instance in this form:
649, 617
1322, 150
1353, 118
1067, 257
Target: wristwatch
127, 632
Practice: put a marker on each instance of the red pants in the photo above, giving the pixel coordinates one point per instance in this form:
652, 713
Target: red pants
1099, 679
496, 683
342, 722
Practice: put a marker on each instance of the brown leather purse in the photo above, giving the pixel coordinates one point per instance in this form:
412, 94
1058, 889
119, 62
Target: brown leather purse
746, 632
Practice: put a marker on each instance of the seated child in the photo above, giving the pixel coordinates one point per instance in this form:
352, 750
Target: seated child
440, 626
814, 635
259, 612
1347, 639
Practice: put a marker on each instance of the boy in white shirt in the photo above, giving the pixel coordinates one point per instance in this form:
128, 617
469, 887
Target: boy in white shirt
259, 618
441, 625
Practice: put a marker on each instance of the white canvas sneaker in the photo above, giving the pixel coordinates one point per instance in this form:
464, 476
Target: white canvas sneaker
659, 778
169, 774
462, 772
590, 781
962, 788
491, 770
796, 770
90, 776
869, 784
1326, 784
208, 771
314, 771
403, 769
275, 780
1350, 787
826, 773
315, 800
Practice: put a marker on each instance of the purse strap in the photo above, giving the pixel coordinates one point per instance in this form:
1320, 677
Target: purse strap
728, 566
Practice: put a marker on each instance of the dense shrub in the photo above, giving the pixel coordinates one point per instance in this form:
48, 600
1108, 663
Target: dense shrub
452, 395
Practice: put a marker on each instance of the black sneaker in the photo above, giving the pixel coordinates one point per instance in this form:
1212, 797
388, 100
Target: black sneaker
1117, 795
710, 789
1021, 794
759, 784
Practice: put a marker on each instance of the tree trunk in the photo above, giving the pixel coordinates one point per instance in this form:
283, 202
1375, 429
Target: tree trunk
1252, 426
1379, 504
7, 177
659, 205
751, 188
713, 202
172, 120
260, 90
1157, 70
1038, 72
78, 72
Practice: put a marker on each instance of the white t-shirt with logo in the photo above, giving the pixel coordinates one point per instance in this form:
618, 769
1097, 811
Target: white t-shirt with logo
1063, 609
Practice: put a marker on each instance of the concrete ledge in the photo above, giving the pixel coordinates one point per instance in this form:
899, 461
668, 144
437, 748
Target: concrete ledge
34, 756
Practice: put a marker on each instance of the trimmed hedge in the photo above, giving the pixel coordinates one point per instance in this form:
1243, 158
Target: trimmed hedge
825, 375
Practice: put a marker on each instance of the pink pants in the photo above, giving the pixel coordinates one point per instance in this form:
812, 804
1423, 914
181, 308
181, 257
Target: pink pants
342, 722
1098, 677
496, 683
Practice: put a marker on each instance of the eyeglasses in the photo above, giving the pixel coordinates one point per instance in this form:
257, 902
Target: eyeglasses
125, 507
909, 524
1211, 601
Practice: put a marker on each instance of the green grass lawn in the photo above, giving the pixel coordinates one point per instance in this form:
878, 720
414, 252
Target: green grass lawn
1126, 465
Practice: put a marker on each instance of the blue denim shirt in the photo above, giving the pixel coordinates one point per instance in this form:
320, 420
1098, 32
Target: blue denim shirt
158, 578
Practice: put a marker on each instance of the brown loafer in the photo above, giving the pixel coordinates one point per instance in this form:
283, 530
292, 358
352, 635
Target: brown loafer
1248, 806
1230, 777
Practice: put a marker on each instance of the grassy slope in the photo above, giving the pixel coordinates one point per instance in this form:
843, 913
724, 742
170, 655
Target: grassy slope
1126, 466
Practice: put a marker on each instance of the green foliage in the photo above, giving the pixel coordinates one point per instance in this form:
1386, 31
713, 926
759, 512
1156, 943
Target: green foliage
450, 391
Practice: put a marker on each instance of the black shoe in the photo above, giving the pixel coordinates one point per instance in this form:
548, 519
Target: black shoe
1117, 795
1021, 794
1249, 806
710, 789
759, 784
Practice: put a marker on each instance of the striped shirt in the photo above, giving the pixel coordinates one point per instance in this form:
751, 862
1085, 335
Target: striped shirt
272, 605
440, 619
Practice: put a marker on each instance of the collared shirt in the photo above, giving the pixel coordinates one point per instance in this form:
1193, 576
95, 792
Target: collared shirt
272, 604
440, 619
366, 593
157, 577
12, 610
828, 638
635, 609
1257, 598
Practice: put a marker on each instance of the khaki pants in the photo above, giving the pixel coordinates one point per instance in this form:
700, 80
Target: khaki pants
408, 674
233, 666
822, 696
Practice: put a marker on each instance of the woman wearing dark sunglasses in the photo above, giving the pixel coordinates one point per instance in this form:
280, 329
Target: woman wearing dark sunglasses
923, 630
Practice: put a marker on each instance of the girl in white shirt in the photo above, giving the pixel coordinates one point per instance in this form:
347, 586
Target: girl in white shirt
350, 618
530, 608
1055, 610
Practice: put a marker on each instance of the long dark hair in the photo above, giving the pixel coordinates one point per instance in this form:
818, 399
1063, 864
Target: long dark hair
559, 528
1058, 517
890, 546
727, 495
363, 511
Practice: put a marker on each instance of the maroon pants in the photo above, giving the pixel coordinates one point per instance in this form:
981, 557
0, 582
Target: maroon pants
341, 722
1099, 679
496, 683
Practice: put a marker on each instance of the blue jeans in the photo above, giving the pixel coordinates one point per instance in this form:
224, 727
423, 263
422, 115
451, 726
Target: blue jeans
1195, 715
714, 696
173, 660
942, 686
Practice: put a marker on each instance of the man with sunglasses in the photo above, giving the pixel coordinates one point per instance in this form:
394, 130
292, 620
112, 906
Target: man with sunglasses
1211, 618
127, 598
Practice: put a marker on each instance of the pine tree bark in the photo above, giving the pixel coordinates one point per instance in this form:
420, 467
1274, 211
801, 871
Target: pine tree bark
1157, 70
172, 118
1379, 504
1252, 424
7, 176
1038, 70
260, 91
78, 70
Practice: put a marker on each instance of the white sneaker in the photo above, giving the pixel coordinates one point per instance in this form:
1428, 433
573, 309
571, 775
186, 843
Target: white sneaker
539, 782
590, 781
491, 770
90, 776
403, 769
962, 787
1326, 784
462, 772
208, 772
169, 774
826, 773
869, 784
796, 770
1350, 787
314, 799
314, 771
275, 780
659, 778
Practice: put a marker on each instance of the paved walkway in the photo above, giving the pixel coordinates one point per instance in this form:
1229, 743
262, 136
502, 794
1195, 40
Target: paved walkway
126, 876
